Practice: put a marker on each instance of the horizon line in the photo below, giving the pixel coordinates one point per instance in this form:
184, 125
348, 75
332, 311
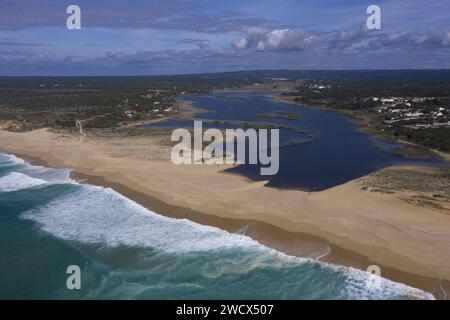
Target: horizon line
221, 72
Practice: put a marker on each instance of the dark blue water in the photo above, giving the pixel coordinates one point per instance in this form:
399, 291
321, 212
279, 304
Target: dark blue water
340, 154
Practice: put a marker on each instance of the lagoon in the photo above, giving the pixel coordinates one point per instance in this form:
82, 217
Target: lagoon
338, 152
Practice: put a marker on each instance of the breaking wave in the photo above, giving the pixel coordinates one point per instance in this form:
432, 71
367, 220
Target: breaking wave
102, 218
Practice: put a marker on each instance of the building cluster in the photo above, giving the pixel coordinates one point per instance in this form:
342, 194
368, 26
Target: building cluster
414, 110
160, 108
317, 87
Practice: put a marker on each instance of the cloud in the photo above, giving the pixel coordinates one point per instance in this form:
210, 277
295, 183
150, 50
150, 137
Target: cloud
262, 39
6, 42
200, 43
411, 39
211, 60
240, 44
192, 15
213, 23
16, 15
344, 41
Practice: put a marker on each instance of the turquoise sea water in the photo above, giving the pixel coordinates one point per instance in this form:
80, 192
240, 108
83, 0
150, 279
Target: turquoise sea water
48, 222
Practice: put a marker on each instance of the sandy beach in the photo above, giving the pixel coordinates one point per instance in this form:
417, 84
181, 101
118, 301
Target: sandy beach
344, 224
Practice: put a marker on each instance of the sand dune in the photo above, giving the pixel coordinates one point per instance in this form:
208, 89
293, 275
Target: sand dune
381, 227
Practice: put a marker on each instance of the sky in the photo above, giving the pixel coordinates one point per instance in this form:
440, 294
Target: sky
148, 37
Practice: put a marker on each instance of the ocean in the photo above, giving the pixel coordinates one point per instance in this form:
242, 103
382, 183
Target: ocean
125, 251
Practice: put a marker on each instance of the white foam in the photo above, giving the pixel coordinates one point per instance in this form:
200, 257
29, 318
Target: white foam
37, 172
102, 216
47, 174
16, 181
362, 285
96, 215
11, 158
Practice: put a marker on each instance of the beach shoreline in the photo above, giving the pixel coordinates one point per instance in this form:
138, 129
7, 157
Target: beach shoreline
291, 243
283, 232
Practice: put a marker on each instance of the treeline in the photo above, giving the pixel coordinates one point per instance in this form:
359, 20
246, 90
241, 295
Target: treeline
436, 138
345, 91
60, 107
209, 81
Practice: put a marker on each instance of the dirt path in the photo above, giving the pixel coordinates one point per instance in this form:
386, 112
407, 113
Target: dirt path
79, 125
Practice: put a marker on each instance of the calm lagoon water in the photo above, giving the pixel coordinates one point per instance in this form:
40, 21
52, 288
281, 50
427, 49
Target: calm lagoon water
341, 152
125, 251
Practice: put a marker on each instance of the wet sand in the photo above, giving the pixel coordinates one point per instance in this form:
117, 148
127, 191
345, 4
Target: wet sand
344, 225
291, 243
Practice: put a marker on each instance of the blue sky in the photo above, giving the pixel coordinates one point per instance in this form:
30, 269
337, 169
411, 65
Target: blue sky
144, 37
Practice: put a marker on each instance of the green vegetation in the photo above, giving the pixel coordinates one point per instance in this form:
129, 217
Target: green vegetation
437, 138
31, 108
280, 115
260, 125
431, 183
28, 103
407, 105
